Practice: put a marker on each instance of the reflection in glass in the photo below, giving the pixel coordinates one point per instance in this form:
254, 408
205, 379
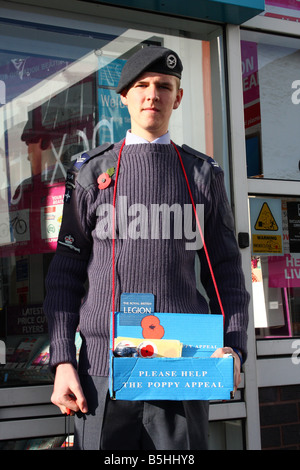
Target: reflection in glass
275, 244
271, 90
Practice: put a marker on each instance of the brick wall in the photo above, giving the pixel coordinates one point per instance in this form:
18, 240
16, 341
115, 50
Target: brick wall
280, 417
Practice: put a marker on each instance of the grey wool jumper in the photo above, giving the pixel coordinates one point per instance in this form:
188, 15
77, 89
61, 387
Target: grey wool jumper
79, 280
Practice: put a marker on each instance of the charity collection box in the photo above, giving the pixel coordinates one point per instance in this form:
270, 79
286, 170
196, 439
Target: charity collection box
167, 356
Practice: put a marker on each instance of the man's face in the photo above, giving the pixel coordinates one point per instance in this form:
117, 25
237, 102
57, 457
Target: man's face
151, 100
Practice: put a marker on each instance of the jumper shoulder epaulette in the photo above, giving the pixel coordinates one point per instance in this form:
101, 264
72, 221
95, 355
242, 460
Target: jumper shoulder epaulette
86, 156
73, 172
201, 155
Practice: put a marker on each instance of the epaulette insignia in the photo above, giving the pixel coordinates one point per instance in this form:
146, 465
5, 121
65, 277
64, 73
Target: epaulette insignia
81, 160
84, 157
70, 185
213, 162
201, 155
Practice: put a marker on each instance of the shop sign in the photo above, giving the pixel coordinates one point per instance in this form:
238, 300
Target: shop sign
26, 320
284, 271
17, 76
266, 226
283, 9
250, 83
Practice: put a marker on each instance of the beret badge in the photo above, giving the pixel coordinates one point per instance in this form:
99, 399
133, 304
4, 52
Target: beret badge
171, 61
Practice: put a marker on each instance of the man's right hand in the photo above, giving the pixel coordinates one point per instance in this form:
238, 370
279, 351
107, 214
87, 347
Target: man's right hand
67, 392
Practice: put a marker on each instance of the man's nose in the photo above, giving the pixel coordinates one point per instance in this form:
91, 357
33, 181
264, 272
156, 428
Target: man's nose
152, 93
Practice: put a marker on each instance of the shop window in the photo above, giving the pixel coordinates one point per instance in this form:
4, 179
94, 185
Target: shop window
57, 100
271, 90
275, 241
46, 119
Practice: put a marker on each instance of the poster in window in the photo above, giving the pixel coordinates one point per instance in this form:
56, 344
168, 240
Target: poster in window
283, 9
284, 271
266, 226
293, 214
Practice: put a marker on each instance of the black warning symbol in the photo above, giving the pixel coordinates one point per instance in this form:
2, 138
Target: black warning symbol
265, 220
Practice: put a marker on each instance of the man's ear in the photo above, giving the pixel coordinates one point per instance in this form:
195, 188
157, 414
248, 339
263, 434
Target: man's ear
178, 98
124, 97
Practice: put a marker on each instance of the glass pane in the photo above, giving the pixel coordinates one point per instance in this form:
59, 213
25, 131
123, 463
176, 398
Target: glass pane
271, 84
226, 435
275, 236
58, 99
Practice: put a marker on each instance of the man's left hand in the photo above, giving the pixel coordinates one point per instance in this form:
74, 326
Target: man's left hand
220, 352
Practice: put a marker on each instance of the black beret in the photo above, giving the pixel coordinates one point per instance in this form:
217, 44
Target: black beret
149, 59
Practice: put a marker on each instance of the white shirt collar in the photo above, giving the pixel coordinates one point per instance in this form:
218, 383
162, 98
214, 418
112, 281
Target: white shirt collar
132, 139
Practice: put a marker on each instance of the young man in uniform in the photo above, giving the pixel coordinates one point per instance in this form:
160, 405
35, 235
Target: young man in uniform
149, 173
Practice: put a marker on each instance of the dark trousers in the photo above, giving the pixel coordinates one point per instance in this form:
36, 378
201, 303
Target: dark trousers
138, 425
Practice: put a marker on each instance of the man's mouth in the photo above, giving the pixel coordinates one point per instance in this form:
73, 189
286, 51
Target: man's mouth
153, 110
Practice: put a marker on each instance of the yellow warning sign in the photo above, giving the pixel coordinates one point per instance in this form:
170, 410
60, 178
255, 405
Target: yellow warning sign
266, 244
265, 220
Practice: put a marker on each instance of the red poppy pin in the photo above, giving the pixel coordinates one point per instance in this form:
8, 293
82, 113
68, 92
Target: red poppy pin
104, 179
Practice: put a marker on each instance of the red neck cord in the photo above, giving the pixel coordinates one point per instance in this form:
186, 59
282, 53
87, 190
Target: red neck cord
113, 248
113, 240
201, 234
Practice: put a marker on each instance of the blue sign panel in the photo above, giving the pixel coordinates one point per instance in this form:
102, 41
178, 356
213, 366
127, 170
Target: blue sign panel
113, 116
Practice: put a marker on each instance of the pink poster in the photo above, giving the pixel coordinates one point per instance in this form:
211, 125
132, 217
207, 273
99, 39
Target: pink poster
283, 9
250, 83
50, 218
284, 271
249, 71
35, 220
292, 4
